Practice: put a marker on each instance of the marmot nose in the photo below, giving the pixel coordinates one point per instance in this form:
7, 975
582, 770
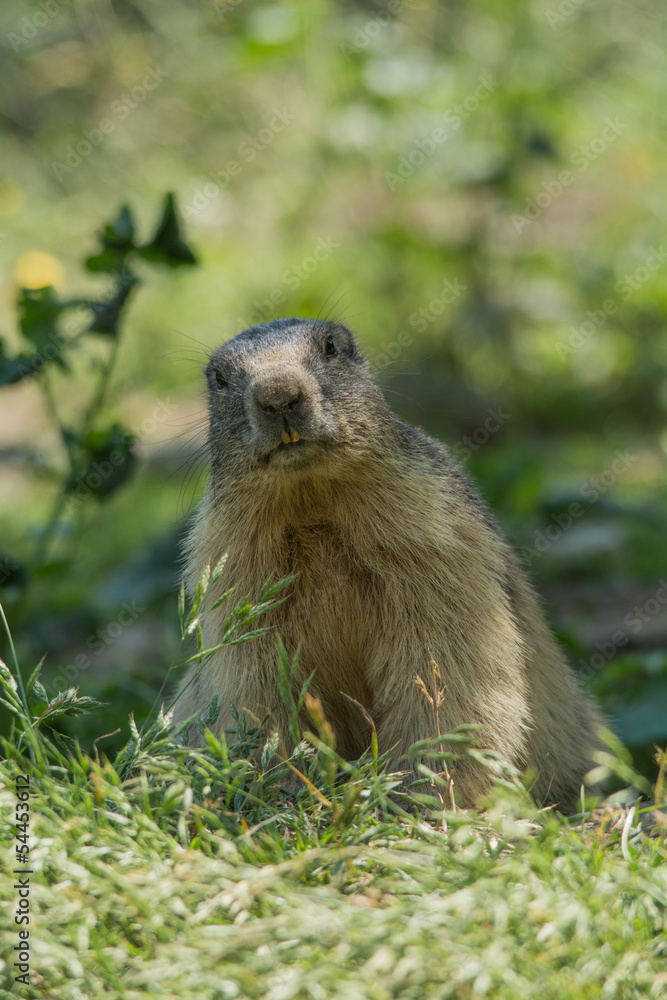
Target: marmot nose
277, 399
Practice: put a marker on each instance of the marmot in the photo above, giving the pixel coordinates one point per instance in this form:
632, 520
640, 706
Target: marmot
396, 560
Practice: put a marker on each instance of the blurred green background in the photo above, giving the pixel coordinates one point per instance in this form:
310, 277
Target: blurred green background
477, 188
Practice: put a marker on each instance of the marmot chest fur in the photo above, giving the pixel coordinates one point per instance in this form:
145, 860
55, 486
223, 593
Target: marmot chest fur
396, 560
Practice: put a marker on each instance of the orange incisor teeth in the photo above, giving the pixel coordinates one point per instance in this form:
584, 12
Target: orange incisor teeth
286, 437
295, 437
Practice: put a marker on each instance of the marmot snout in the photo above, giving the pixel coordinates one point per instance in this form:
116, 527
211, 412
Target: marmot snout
395, 557
283, 407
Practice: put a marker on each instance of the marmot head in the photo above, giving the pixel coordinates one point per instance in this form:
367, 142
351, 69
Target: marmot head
289, 396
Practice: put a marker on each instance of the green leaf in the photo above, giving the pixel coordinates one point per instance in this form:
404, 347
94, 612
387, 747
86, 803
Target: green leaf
247, 636
220, 565
108, 260
269, 751
202, 587
167, 245
270, 590
12, 574
119, 233
15, 369
107, 462
39, 691
117, 239
205, 720
39, 309
68, 703
107, 312
223, 597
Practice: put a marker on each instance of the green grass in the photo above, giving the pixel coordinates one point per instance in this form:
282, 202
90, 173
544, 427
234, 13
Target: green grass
178, 872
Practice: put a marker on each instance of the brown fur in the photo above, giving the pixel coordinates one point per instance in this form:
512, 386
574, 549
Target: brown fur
396, 559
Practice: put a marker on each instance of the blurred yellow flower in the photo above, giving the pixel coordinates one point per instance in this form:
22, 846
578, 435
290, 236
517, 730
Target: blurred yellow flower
35, 269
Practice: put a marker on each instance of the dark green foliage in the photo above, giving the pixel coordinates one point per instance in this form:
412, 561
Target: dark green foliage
107, 314
15, 369
106, 461
99, 459
167, 245
39, 310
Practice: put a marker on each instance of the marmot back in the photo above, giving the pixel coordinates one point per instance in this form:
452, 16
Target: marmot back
396, 559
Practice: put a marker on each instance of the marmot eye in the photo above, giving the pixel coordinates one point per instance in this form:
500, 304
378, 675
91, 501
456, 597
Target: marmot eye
221, 380
329, 348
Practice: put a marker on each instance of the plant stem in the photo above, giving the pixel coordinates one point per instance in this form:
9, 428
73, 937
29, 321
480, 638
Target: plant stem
91, 414
52, 407
50, 530
99, 397
31, 737
47, 535
17, 671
